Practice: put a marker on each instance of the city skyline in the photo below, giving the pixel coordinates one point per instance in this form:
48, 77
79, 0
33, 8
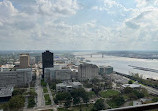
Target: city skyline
78, 25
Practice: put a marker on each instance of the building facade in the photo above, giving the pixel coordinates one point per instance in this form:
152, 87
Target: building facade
87, 71
47, 60
105, 70
57, 74
24, 60
20, 77
68, 86
5, 93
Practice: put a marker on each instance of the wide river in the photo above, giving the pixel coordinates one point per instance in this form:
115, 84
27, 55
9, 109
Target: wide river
121, 64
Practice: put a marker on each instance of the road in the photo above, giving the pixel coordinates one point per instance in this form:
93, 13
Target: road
151, 90
40, 95
39, 90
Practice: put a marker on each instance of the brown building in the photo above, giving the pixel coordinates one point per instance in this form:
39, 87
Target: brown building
24, 60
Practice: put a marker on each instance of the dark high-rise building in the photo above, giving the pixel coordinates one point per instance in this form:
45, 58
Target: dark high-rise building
47, 60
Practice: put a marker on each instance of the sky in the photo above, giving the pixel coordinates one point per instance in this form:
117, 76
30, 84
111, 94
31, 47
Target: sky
79, 25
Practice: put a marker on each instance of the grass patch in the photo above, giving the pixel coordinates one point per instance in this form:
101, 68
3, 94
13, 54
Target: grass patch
112, 104
109, 93
47, 99
91, 94
131, 104
53, 93
43, 84
32, 89
45, 90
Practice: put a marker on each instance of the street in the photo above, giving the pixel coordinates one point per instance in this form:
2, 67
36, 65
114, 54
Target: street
39, 89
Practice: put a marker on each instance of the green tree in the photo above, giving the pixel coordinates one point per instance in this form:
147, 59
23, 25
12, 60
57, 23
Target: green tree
99, 105
18, 92
16, 102
127, 90
155, 99
138, 94
130, 82
53, 86
31, 102
62, 96
96, 90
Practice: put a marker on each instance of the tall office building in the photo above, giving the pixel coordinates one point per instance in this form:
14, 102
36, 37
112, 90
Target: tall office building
87, 71
47, 60
24, 60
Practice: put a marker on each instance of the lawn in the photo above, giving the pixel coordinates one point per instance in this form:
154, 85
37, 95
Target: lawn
45, 90
32, 89
112, 104
47, 99
108, 93
91, 94
77, 108
53, 92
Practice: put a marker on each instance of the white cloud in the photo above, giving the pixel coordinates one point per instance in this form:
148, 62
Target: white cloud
57, 7
7, 11
46, 28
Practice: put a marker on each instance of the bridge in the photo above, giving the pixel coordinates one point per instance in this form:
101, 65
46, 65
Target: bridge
91, 55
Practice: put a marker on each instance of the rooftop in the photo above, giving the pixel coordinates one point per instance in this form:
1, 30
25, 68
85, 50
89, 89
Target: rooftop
6, 91
131, 85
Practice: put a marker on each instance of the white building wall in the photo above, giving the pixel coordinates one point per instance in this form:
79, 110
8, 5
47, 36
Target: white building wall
87, 71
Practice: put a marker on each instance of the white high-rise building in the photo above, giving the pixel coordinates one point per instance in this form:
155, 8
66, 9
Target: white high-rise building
87, 71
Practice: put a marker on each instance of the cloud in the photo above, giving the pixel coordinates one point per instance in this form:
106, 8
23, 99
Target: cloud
7, 11
50, 24
57, 7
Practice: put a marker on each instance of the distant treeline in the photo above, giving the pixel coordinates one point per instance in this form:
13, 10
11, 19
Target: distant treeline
133, 54
136, 77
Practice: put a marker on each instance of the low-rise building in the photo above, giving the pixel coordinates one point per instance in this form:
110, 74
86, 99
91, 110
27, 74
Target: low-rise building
5, 93
131, 85
20, 77
68, 86
57, 74
105, 70
6, 67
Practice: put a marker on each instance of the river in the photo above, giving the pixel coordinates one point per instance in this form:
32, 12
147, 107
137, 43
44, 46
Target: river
121, 64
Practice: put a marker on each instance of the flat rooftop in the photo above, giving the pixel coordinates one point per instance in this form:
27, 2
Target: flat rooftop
6, 91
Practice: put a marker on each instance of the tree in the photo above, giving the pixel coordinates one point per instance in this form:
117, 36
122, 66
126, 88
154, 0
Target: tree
155, 99
130, 82
116, 101
53, 86
16, 102
138, 94
80, 93
62, 96
127, 90
119, 100
76, 100
18, 91
31, 102
99, 105
96, 90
